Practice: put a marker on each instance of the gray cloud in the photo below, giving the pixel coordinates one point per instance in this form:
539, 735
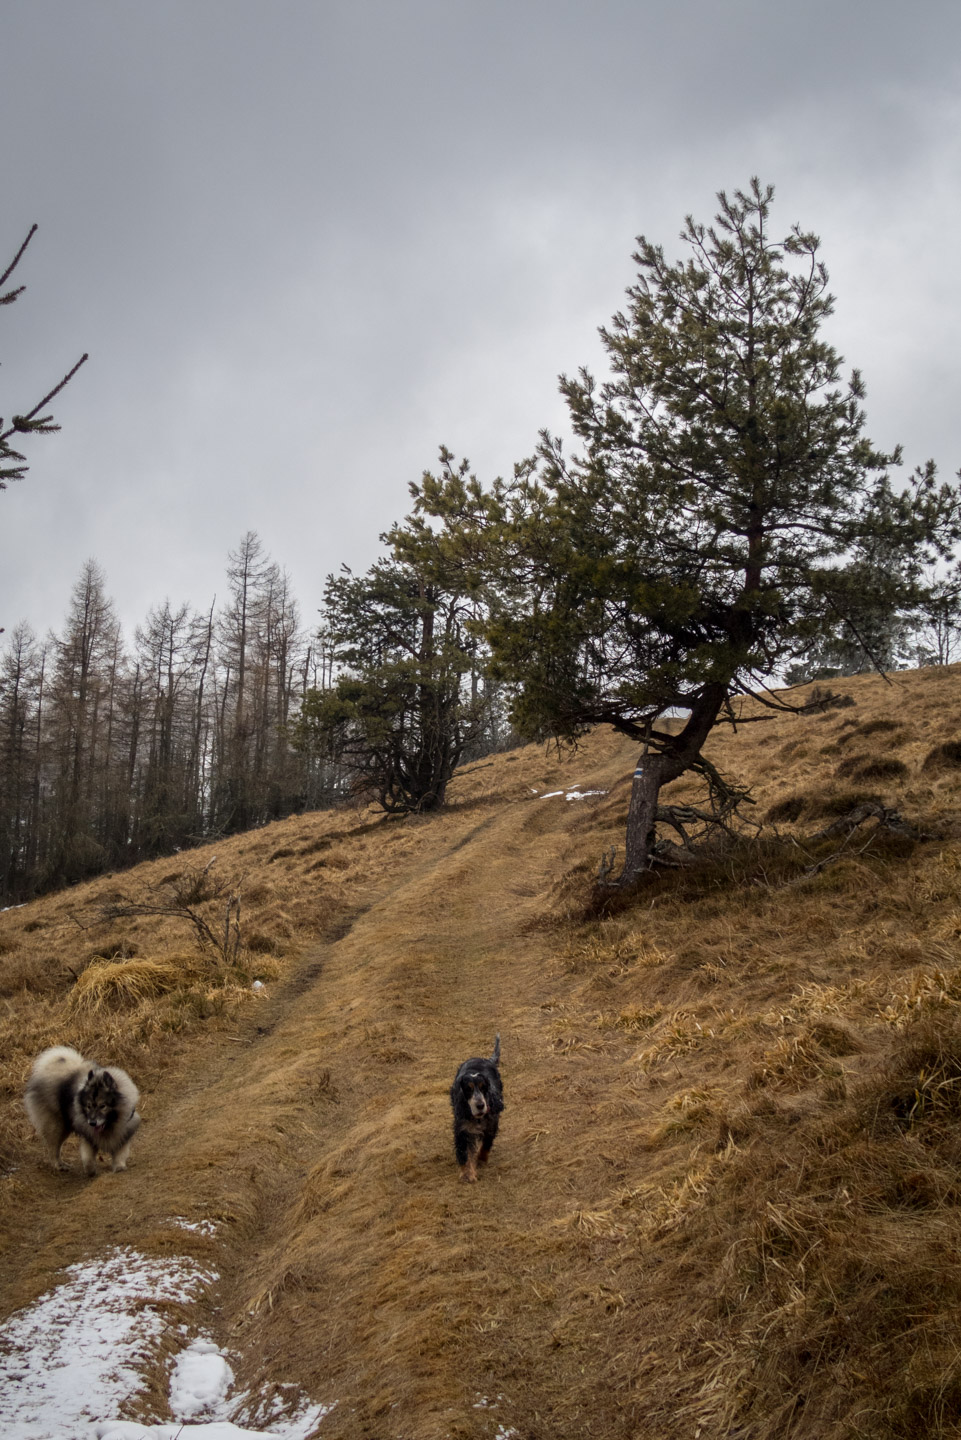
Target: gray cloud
306, 242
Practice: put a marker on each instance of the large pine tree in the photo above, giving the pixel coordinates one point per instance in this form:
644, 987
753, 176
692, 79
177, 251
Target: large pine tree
723, 507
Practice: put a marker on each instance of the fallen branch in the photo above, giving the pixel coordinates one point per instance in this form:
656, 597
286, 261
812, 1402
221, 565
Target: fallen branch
849, 824
887, 819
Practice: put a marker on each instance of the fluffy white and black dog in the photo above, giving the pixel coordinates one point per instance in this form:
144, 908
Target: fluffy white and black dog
477, 1097
68, 1095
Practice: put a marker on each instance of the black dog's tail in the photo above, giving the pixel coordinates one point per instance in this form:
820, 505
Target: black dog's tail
495, 1058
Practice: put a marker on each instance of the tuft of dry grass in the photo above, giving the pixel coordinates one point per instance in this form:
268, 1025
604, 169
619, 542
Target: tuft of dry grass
945, 756
870, 767
125, 983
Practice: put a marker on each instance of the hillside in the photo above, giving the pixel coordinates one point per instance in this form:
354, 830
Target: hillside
725, 1195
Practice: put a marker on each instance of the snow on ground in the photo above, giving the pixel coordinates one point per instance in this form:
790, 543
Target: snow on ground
200, 1227
71, 1357
574, 794
200, 1380
213, 1430
69, 1361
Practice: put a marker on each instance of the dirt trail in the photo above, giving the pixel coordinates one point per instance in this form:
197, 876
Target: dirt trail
430, 1297
317, 1134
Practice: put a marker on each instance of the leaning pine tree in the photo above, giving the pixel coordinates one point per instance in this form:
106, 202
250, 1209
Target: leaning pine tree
725, 508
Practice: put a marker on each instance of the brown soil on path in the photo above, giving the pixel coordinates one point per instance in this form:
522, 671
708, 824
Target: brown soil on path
709, 1150
418, 1324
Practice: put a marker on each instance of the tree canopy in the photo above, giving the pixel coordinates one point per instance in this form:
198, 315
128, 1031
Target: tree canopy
409, 699
722, 510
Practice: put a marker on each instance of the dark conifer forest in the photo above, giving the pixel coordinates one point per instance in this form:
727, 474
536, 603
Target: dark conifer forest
112, 752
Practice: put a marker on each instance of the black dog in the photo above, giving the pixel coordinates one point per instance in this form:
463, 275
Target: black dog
478, 1099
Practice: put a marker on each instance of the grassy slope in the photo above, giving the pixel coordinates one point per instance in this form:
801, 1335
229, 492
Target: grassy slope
726, 1191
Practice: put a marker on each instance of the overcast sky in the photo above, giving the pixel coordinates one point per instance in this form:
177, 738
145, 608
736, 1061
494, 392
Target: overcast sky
307, 241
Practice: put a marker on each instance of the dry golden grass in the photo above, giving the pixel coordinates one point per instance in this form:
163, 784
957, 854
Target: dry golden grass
113, 985
726, 1197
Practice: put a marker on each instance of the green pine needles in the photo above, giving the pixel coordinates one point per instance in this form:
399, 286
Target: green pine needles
723, 510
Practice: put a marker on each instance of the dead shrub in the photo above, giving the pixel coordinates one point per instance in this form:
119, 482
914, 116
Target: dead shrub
190, 896
822, 698
192, 887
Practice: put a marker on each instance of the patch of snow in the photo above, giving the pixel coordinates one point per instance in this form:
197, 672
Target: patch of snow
200, 1380
299, 1423
574, 794
210, 1430
202, 1227
75, 1354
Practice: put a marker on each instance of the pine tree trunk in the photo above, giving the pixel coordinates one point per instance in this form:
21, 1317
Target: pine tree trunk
659, 768
649, 776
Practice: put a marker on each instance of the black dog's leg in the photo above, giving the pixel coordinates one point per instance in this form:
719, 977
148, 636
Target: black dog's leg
490, 1136
465, 1148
